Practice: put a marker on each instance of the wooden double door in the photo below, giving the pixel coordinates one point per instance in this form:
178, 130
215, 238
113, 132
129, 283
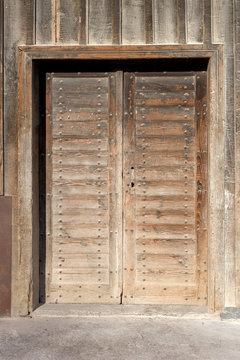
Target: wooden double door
126, 180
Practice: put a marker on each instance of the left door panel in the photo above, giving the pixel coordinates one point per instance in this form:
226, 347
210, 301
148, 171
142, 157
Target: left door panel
83, 187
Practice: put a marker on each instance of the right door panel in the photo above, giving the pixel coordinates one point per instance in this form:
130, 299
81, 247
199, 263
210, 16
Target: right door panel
165, 188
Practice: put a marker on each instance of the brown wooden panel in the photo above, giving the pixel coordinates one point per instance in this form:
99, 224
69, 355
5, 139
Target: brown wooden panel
84, 186
45, 21
5, 254
165, 237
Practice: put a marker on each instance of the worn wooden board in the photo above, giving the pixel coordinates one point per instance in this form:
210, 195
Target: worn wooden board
1, 99
165, 248
165, 22
5, 254
223, 33
194, 21
83, 208
45, 20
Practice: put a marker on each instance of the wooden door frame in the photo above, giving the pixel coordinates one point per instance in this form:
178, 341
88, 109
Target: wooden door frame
28, 120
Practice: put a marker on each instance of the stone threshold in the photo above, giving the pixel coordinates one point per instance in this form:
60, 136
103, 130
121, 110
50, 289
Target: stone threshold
140, 311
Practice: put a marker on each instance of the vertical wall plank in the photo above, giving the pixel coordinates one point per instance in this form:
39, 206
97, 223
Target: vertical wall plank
181, 22
207, 23
5, 254
148, 16
133, 29
44, 22
1, 98
194, 21
237, 114
165, 21
30, 34
16, 22
100, 22
222, 20
67, 21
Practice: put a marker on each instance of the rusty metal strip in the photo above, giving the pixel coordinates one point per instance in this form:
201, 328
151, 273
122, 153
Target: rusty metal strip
5, 254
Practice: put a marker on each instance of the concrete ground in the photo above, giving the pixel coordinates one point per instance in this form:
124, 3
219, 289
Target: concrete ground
110, 338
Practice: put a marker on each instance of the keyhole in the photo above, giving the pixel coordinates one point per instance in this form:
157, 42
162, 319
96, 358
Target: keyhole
132, 184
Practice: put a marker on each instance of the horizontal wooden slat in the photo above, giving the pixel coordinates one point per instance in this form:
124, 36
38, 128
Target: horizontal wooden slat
163, 129
168, 277
69, 144
165, 246
81, 276
165, 84
164, 98
80, 245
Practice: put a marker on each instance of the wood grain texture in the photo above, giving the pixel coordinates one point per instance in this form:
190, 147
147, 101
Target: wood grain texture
100, 22
194, 21
223, 32
207, 23
181, 21
133, 27
68, 21
1, 98
44, 22
15, 25
5, 254
153, 176
82, 206
237, 114
165, 22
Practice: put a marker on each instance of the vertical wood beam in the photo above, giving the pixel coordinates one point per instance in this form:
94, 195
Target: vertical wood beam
222, 19
194, 21
5, 254
133, 30
30, 33
181, 22
237, 117
148, 17
207, 23
82, 36
165, 21
116, 21
17, 20
1, 98
44, 21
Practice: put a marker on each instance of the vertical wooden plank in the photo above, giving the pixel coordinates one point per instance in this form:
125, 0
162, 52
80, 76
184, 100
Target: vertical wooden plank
194, 21
68, 21
1, 98
14, 34
44, 22
5, 254
181, 22
133, 29
216, 184
116, 21
30, 22
223, 33
202, 184
165, 22
82, 38
100, 22
237, 116
207, 24
148, 16
129, 228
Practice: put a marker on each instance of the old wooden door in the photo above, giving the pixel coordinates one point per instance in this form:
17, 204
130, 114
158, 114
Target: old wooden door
163, 180
84, 201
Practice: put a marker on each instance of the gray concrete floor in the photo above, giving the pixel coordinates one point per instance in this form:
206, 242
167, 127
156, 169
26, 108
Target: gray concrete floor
117, 338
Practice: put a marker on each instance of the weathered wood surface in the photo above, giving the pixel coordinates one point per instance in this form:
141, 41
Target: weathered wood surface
194, 21
223, 32
1, 99
237, 114
217, 28
165, 246
83, 206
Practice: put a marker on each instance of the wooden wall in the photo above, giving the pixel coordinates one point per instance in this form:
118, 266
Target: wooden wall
130, 22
